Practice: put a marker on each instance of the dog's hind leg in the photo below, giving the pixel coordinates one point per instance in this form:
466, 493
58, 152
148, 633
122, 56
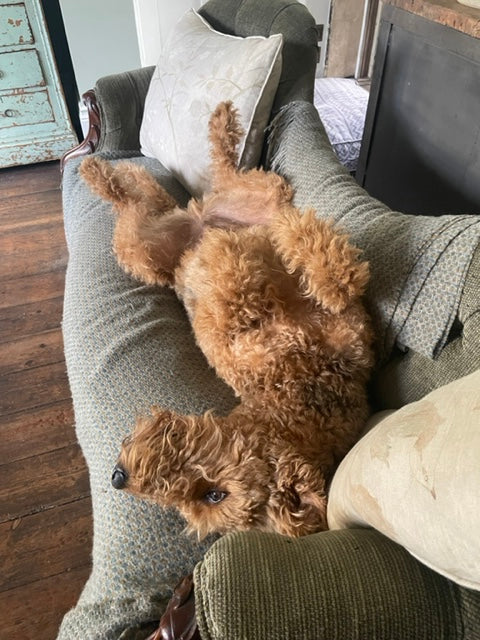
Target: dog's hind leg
239, 196
328, 266
125, 184
225, 133
151, 232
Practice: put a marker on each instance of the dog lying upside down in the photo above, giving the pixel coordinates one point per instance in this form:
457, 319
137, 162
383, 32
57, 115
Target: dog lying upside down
274, 297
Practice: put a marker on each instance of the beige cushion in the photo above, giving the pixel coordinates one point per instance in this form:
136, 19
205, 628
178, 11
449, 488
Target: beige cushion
199, 68
415, 476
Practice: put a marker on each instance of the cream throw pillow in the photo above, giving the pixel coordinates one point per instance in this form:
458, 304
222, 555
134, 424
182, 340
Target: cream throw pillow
415, 477
199, 68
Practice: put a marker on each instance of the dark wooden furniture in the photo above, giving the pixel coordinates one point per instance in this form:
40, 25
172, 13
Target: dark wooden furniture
90, 143
421, 147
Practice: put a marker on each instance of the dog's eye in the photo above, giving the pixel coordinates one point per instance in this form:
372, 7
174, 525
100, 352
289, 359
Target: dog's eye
215, 496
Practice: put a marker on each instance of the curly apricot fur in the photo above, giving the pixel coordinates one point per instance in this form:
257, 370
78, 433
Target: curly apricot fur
275, 301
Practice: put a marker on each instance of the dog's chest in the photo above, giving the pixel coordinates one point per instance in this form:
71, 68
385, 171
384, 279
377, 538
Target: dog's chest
245, 309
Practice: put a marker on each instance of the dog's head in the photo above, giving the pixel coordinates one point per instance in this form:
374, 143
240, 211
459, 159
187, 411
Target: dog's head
218, 477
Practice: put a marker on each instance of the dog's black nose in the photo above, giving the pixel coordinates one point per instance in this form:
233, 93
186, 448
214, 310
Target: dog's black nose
119, 477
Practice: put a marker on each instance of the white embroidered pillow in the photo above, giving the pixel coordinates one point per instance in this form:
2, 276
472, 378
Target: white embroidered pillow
199, 68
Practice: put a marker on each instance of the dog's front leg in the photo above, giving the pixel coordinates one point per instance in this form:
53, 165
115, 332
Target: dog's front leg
328, 266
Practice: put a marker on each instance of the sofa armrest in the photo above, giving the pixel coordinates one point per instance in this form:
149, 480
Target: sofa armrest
90, 143
115, 110
121, 99
299, 150
351, 584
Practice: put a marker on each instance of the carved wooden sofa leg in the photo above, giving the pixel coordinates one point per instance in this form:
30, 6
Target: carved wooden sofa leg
92, 139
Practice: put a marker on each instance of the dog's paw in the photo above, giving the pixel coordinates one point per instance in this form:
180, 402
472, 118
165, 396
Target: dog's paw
97, 173
94, 169
328, 265
225, 133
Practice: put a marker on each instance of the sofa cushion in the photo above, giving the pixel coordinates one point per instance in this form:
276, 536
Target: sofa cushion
199, 68
127, 346
424, 289
415, 477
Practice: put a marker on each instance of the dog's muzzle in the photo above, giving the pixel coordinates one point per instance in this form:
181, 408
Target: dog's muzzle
119, 478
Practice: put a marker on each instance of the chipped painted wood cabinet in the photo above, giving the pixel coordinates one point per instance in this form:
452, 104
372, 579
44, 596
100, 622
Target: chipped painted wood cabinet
34, 121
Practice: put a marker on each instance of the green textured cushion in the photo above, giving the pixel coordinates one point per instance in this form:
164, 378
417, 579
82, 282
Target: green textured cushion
350, 585
121, 99
425, 284
408, 377
127, 346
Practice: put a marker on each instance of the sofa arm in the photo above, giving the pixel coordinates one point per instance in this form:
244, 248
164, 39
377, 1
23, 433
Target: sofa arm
408, 377
115, 110
121, 99
350, 584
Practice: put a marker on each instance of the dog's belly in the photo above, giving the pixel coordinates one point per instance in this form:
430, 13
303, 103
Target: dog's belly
248, 314
224, 212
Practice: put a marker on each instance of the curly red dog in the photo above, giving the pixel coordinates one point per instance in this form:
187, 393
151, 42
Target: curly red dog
275, 301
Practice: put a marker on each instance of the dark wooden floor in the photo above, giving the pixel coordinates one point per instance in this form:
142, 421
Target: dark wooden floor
45, 510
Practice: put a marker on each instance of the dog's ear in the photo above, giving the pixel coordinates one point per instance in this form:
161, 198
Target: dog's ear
155, 437
162, 451
298, 504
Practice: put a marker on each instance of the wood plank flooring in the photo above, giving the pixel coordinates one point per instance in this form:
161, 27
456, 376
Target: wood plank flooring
45, 508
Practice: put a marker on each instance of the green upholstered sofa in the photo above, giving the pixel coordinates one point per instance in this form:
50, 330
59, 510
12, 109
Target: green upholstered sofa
401, 560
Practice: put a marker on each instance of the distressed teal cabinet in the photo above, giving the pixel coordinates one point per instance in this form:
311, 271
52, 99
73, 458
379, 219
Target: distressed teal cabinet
34, 121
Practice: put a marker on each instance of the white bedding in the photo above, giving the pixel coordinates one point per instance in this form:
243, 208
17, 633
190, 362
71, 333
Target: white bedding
342, 106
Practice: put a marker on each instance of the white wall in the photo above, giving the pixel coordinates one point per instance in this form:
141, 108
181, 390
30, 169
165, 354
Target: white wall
102, 38
155, 19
